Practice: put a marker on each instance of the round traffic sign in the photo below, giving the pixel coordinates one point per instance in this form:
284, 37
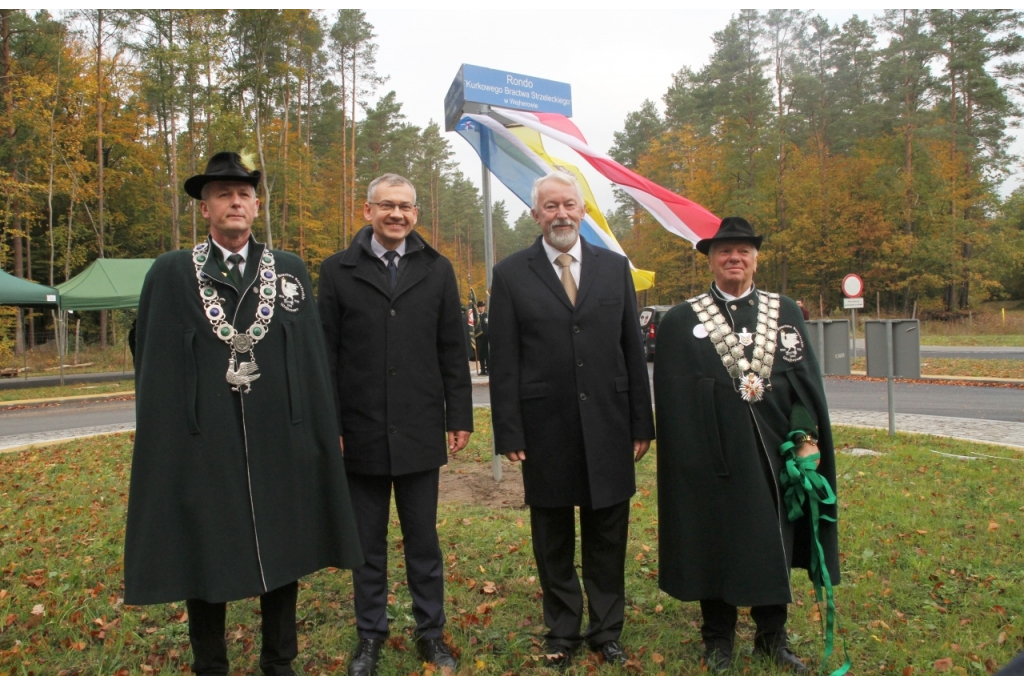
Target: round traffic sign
853, 286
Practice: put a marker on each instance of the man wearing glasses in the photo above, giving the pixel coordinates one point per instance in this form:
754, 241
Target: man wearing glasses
393, 329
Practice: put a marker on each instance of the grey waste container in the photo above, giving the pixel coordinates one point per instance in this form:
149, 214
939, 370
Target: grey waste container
906, 342
830, 340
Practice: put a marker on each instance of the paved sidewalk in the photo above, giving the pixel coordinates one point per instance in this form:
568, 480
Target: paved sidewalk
1007, 433
12, 443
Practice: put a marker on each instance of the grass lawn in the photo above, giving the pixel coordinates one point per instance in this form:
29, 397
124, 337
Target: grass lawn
1008, 340
66, 391
932, 573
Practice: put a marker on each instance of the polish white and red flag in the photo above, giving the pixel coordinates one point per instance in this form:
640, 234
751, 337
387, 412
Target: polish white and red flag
677, 214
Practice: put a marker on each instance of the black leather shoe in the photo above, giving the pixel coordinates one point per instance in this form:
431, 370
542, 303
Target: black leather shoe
613, 652
436, 652
718, 660
364, 662
785, 659
558, 656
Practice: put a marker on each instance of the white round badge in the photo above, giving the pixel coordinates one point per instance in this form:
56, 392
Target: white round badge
699, 331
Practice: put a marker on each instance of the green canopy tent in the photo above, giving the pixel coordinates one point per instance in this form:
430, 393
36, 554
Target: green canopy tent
104, 284
17, 292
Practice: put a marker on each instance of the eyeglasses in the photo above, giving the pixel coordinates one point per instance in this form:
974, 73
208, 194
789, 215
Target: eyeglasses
388, 207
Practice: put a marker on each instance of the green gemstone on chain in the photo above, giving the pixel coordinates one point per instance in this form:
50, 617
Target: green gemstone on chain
225, 331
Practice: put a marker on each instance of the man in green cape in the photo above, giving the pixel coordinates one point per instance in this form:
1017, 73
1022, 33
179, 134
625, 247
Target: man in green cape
238, 486
734, 380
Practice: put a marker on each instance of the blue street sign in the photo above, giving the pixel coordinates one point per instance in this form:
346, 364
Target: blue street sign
475, 86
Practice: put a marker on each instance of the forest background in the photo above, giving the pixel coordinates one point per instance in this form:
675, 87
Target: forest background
877, 146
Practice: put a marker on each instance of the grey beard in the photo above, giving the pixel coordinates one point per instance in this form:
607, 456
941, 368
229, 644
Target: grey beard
563, 239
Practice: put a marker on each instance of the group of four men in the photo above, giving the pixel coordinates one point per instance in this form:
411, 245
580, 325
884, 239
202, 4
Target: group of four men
246, 480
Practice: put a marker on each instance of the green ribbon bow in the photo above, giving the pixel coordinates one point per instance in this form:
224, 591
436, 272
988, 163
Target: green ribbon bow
806, 489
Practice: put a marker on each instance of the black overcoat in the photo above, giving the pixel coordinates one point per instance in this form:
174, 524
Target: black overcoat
721, 535
569, 385
232, 494
398, 359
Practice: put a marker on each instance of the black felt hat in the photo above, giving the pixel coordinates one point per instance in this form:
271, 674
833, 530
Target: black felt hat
732, 228
223, 166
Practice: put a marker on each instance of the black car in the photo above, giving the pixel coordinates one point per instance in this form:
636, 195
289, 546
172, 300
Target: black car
650, 318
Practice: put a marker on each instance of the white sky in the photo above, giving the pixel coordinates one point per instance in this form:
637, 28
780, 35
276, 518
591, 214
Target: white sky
613, 58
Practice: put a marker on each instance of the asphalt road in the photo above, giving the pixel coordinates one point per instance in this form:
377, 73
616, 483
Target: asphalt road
73, 419
969, 402
963, 352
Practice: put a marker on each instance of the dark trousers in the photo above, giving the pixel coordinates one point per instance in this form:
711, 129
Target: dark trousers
416, 500
603, 534
719, 629
483, 354
280, 644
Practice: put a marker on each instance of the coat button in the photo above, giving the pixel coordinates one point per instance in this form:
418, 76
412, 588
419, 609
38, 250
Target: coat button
579, 362
732, 307
392, 430
392, 312
583, 395
393, 371
750, 302
575, 329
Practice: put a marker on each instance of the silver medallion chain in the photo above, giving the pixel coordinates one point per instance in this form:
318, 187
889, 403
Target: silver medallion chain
754, 374
239, 343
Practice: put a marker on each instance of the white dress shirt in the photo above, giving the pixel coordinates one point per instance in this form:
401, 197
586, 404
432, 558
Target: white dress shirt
729, 298
576, 252
380, 250
225, 253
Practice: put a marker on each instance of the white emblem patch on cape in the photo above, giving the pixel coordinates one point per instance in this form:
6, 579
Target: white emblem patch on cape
292, 295
699, 331
792, 343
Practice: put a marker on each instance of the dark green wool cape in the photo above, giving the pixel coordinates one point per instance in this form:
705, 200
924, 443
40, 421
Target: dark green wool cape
232, 494
723, 532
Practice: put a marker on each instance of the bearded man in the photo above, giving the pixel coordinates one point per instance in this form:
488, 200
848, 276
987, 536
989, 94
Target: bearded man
571, 402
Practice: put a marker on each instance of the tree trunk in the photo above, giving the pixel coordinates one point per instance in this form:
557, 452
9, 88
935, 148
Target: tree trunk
284, 166
352, 150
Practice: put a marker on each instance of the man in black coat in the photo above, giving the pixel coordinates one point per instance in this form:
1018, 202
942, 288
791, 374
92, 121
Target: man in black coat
733, 379
571, 401
238, 486
397, 349
481, 335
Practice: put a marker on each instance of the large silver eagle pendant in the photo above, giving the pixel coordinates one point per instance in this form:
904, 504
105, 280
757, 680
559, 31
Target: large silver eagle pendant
242, 375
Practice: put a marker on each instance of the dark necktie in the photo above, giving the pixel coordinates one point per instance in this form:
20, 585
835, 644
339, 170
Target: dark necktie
234, 273
391, 256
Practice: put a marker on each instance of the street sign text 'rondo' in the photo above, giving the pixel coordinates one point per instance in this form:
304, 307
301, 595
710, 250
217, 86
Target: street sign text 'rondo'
474, 87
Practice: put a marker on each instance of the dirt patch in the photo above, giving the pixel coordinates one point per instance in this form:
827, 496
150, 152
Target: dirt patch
472, 482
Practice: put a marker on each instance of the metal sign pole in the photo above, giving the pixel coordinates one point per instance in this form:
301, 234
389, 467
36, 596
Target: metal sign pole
485, 190
821, 346
854, 313
890, 382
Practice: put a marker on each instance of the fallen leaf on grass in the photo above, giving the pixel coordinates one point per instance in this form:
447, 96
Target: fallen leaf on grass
992, 526
9, 621
921, 532
943, 664
1001, 639
908, 670
38, 610
990, 666
489, 588
634, 666
999, 610
657, 658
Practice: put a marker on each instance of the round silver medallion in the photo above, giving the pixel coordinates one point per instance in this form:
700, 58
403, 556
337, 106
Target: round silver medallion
241, 342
